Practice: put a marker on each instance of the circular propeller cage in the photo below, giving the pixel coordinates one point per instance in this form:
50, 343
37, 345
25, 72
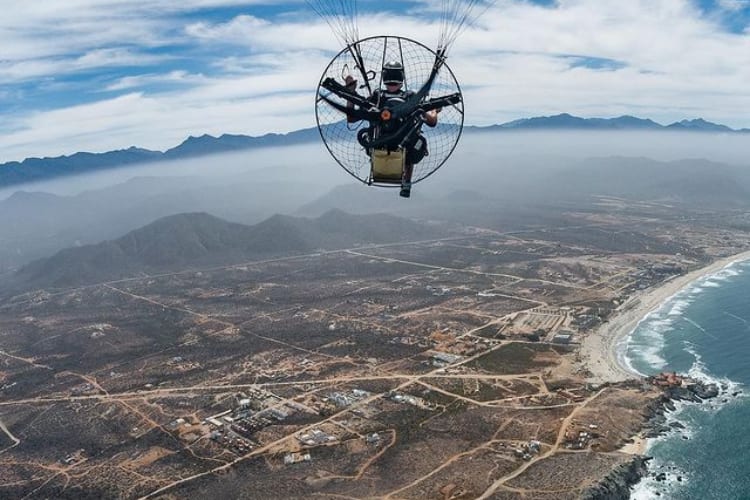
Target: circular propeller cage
363, 60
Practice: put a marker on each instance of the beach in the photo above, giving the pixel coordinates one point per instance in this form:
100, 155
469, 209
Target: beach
599, 350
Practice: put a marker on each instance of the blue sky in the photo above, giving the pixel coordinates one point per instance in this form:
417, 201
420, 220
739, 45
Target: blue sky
97, 75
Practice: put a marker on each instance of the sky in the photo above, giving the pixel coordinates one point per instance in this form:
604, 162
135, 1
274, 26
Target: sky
101, 75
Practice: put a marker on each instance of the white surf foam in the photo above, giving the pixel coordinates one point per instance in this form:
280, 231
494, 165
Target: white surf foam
649, 488
646, 342
678, 306
698, 370
662, 321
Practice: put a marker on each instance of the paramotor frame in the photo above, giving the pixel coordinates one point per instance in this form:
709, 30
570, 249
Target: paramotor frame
425, 71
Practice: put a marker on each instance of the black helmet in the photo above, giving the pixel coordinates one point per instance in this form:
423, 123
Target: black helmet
393, 72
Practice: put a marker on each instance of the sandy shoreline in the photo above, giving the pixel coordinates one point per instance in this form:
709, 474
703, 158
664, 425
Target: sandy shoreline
599, 349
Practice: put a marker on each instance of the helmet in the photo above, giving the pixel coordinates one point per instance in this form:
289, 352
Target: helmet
393, 72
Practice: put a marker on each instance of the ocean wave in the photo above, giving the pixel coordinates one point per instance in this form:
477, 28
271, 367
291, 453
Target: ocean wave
679, 306
623, 353
711, 284
728, 272
676, 479
647, 351
699, 370
715, 279
643, 347
646, 343
649, 488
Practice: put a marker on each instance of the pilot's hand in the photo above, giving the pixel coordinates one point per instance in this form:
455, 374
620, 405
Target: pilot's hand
350, 82
430, 117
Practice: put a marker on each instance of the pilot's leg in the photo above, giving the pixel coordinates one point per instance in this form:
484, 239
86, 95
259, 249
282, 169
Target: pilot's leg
406, 180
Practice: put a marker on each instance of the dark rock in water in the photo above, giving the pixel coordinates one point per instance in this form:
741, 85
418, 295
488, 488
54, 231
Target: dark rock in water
662, 476
694, 392
736, 393
681, 394
725, 400
679, 478
706, 391
676, 425
685, 438
616, 485
657, 429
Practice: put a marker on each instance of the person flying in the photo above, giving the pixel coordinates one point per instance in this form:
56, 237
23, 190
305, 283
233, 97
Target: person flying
398, 136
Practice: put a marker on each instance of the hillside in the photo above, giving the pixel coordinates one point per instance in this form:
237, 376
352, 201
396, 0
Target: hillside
200, 239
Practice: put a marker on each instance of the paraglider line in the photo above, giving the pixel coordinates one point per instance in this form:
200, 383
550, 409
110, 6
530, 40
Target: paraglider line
357, 55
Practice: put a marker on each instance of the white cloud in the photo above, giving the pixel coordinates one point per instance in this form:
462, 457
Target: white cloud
15, 72
249, 104
235, 31
130, 82
734, 5
675, 63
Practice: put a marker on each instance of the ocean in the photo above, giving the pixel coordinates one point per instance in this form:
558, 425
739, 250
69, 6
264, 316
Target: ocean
704, 331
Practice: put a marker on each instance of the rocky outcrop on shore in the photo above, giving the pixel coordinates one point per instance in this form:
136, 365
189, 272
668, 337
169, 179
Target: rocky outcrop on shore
616, 485
675, 388
696, 392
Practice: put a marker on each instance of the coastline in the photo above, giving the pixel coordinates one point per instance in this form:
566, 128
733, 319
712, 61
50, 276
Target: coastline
599, 349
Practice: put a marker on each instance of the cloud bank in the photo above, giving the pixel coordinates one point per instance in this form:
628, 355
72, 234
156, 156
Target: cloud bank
98, 75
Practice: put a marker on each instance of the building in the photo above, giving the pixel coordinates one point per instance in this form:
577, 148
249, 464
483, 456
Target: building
444, 357
373, 438
278, 413
340, 400
316, 437
215, 422
562, 338
534, 446
295, 458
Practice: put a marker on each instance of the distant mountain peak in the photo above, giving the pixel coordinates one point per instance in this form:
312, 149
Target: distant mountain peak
699, 124
37, 169
568, 121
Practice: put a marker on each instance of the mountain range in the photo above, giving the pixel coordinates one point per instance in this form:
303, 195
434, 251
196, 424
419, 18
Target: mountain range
200, 239
37, 169
565, 121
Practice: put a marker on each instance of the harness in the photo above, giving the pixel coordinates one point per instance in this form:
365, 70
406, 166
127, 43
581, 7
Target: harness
402, 132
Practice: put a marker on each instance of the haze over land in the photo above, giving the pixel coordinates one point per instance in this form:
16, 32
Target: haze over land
499, 174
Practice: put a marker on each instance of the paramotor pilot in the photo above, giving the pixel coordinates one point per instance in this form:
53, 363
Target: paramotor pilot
400, 142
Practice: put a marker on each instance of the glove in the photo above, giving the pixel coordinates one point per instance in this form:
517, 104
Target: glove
351, 83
